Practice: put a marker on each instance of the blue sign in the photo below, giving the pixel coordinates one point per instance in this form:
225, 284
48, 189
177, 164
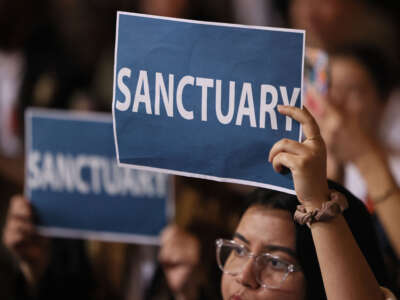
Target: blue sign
200, 99
78, 190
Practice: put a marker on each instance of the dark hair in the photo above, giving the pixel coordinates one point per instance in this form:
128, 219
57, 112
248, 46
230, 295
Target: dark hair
389, 7
358, 219
378, 64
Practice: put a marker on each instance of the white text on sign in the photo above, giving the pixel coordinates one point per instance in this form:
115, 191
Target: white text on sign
269, 99
90, 174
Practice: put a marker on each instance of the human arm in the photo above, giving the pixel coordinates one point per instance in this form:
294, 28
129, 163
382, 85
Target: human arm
351, 143
382, 190
345, 271
335, 169
30, 250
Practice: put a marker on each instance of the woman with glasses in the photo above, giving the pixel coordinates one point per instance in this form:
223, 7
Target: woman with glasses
318, 255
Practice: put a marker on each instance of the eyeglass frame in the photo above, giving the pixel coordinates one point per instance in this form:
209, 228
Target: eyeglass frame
291, 268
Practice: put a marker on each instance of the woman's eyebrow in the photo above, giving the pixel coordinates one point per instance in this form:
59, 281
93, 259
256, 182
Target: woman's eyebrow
241, 237
272, 248
269, 248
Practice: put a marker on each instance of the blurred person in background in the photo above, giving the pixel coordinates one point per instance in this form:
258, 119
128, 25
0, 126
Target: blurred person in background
18, 21
358, 122
180, 260
186, 269
49, 53
332, 23
360, 82
46, 268
203, 10
257, 12
66, 61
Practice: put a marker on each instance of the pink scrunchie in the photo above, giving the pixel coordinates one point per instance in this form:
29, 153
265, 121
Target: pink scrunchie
330, 209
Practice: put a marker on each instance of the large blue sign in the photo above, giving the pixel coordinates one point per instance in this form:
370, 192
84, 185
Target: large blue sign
77, 188
200, 99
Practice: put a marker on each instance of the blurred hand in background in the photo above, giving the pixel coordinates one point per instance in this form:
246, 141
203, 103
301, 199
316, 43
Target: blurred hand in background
31, 251
179, 256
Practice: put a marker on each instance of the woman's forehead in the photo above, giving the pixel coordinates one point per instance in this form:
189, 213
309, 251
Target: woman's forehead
262, 226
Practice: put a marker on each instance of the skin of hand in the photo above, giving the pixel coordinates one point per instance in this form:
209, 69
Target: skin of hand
306, 160
345, 137
31, 251
179, 256
350, 139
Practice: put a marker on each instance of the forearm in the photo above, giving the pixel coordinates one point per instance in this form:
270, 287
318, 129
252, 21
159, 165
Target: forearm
382, 187
335, 169
345, 271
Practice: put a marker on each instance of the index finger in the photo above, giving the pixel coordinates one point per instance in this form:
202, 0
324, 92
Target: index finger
303, 116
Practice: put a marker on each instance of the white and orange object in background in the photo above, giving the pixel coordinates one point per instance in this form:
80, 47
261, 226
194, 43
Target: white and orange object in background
390, 130
315, 79
11, 70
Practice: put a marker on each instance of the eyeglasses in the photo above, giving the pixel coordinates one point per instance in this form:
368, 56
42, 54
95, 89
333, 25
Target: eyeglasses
271, 271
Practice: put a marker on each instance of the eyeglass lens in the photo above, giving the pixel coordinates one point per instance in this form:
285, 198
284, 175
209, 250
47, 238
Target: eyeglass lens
270, 271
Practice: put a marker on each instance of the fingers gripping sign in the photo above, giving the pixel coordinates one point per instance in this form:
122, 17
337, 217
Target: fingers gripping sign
306, 160
20, 237
19, 227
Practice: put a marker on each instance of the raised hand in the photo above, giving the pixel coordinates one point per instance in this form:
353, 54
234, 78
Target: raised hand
306, 160
31, 251
179, 256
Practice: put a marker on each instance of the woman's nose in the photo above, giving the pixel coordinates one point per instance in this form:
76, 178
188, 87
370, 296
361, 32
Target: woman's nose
248, 277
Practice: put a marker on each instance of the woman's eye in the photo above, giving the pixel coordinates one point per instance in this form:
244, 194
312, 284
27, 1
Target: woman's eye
239, 251
277, 264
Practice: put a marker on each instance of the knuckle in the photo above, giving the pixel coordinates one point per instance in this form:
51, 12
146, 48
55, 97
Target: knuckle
296, 109
16, 200
280, 157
